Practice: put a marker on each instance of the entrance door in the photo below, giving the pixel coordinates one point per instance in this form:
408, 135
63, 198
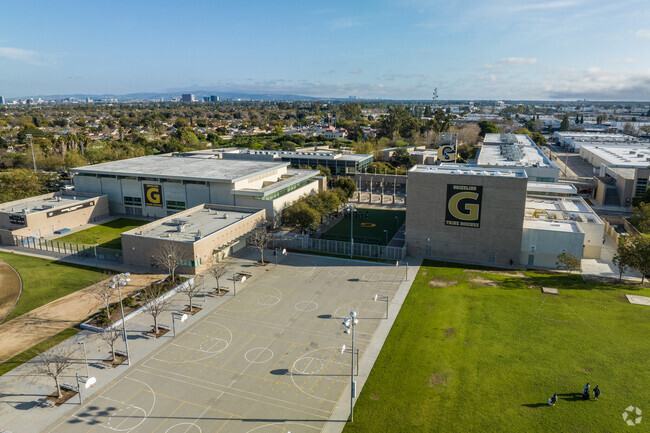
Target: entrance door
531, 259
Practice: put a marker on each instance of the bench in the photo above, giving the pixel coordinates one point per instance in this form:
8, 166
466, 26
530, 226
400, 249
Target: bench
43, 402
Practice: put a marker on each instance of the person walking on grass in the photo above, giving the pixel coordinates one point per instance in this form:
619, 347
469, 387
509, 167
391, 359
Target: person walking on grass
596, 392
585, 392
553, 399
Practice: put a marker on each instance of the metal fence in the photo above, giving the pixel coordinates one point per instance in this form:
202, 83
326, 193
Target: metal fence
329, 246
68, 248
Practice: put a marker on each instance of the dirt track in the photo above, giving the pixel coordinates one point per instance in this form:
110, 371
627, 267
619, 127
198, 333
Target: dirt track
9, 289
23, 332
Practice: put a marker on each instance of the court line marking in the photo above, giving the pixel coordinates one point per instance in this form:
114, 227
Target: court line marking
284, 423
260, 398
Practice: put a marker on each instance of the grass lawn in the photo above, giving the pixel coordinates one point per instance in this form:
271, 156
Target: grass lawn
486, 355
368, 230
41, 347
47, 280
106, 235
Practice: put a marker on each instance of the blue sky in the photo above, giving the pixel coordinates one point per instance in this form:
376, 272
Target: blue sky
502, 49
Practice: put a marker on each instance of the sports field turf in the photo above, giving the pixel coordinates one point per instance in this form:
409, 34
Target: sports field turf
47, 280
106, 235
368, 229
482, 351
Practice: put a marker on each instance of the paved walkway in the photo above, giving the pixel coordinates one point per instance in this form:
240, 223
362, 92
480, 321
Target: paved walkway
23, 332
19, 412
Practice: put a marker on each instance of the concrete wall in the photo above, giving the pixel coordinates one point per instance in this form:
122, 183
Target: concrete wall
139, 250
548, 244
498, 239
39, 225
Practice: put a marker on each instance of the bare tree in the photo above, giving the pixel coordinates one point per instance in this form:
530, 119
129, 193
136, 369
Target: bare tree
110, 336
154, 304
260, 240
218, 270
431, 138
54, 362
103, 292
468, 135
168, 256
191, 288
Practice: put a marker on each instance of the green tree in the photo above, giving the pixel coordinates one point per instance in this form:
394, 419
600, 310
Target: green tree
539, 139
301, 216
398, 121
641, 260
403, 158
351, 111
564, 125
642, 215
324, 171
347, 185
487, 128
569, 262
624, 257
19, 183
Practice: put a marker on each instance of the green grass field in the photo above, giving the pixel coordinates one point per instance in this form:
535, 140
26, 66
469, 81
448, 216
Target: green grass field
47, 280
486, 355
106, 235
368, 230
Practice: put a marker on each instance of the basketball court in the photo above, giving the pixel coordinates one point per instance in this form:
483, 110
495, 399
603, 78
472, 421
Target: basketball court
267, 360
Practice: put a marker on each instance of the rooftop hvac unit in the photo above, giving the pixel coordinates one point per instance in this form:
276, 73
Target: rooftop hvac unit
180, 228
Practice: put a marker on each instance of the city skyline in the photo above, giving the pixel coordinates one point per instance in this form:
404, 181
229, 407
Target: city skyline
557, 49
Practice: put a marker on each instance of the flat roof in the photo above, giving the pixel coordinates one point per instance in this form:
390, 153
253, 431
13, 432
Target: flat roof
550, 225
622, 156
198, 223
468, 170
302, 154
597, 137
550, 187
560, 209
184, 167
514, 150
44, 202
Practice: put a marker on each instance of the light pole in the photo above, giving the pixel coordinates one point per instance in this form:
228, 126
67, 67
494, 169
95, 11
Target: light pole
350, 324
351, 230
121, 280
382, 298
83, 343
31, 144
181, 316
234, 284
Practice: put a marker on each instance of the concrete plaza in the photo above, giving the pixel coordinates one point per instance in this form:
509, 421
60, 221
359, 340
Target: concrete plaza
269, 359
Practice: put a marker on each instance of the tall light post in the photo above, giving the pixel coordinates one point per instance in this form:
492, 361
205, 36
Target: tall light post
83, 343
31, 144
350, 324
121, 280
351, 230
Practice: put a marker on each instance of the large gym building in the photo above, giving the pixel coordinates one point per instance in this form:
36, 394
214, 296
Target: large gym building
495, 217
162, 185
464, 213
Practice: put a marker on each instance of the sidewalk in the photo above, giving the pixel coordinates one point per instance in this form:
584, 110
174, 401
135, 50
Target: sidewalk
19, 393
341, 412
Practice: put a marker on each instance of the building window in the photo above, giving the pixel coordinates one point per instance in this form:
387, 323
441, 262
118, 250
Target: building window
132, 201
286, 190
544, 179
178, 205
641, 186
189, 263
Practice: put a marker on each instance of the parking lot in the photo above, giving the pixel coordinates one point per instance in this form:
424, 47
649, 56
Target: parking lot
269, 359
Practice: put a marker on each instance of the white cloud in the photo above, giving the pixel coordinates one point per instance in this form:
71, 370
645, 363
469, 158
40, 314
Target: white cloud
493, 78
558, 4
598, 83
643, 33
355, 71
22, 55
518, 61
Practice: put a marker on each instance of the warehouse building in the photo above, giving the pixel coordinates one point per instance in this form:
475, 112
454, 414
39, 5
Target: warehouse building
622, 171
199, 236
162, 185
573, 141
45, 214
506, 151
